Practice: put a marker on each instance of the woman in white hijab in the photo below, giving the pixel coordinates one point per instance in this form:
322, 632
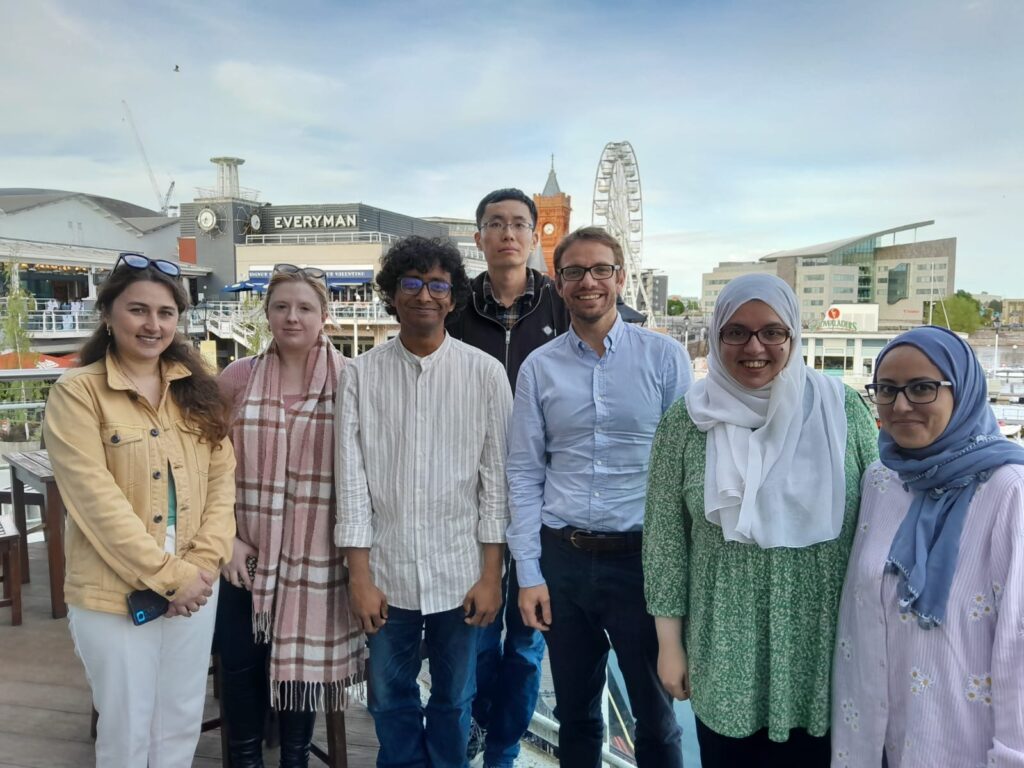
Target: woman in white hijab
752, 500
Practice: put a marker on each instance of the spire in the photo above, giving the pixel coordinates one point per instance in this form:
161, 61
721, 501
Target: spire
551, 188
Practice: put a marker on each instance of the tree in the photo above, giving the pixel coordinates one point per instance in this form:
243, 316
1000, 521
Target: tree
960, 312
15, 338
676, 307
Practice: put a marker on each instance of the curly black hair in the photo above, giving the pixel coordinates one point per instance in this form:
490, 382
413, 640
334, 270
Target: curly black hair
421, 254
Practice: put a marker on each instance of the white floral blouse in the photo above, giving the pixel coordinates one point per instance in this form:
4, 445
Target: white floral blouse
952, 696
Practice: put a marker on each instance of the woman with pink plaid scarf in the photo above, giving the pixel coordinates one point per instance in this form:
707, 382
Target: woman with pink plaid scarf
284, 601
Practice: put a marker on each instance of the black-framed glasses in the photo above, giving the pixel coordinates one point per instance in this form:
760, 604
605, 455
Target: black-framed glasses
737, 335
598, 272
917, 392
290, 269
413, 285
497, 226
138, 261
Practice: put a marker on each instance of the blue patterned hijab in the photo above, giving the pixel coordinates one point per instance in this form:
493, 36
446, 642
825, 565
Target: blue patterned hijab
943, 476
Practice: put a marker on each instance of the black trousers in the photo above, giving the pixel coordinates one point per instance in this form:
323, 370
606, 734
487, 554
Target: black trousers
801, 749
597, 603
245, 670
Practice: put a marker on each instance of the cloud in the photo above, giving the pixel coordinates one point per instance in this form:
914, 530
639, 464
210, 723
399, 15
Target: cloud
756, 126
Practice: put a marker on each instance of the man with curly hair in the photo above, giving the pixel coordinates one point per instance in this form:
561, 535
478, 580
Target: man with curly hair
422, 504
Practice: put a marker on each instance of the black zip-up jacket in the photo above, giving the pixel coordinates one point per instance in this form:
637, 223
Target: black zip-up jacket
546, 319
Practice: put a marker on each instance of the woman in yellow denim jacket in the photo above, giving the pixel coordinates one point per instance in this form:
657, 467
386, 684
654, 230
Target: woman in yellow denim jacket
137, 442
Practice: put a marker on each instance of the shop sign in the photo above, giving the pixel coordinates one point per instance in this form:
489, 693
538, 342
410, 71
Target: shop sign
320, 221
833, 321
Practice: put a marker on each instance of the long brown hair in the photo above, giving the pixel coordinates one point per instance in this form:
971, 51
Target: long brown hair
197, 395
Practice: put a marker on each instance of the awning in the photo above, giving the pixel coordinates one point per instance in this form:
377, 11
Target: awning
245, 285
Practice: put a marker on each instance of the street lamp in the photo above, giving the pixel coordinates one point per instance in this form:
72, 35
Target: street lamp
996, 323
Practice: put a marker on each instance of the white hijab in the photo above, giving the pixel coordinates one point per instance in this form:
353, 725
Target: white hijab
775, 456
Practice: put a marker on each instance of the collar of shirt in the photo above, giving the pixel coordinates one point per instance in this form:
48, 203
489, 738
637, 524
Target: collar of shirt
527, 294
423, 363
611, 339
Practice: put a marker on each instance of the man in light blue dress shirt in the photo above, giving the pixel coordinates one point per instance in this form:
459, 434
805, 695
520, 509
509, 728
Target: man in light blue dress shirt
586, 408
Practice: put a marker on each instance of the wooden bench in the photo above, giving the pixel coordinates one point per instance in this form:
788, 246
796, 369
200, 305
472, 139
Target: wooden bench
10, 563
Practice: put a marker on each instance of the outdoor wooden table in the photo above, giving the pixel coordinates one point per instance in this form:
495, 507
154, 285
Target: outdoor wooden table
33, 469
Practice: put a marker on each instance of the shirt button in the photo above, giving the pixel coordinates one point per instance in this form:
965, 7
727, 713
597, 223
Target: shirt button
115, 439
170, 592
157, 518
599, 463
597, 495
154, 432
156, 475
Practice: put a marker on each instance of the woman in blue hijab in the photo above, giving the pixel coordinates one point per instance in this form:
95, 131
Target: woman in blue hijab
929, 662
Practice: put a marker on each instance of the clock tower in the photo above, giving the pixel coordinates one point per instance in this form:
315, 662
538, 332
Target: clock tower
553, 209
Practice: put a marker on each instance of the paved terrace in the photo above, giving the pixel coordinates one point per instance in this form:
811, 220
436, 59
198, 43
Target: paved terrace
45, 706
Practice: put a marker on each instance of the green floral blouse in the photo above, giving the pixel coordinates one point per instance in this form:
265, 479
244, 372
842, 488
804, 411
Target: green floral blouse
759, 624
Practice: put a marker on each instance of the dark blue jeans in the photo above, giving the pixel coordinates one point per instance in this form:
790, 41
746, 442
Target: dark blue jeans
507, 677
597, 598
398, 717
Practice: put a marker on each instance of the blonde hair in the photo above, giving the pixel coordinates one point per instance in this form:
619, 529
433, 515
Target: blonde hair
318, 285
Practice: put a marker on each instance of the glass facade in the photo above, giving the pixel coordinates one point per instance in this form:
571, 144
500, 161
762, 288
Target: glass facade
898, 287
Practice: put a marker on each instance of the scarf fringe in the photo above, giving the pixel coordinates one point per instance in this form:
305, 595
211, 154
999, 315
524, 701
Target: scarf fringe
302, 696
261, 627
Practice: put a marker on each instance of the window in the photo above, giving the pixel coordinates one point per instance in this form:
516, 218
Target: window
844, 291
815, 302
818, 289
898, 287
814, 278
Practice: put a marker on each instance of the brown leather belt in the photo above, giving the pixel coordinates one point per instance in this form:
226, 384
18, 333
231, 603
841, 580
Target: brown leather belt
598, 541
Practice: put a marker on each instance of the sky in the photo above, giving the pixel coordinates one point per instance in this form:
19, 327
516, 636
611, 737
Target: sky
757, 126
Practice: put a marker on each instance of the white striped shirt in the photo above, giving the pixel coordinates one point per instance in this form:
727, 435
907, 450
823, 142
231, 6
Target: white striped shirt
420, 468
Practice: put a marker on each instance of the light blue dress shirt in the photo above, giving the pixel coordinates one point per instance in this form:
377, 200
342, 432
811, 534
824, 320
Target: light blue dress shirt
581, 433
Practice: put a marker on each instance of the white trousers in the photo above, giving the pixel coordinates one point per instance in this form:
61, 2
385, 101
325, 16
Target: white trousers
148, 683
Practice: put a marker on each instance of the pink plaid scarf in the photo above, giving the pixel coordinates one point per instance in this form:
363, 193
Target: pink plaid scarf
286, 508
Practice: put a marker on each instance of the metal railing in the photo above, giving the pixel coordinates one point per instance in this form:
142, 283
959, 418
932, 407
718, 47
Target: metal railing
306, 238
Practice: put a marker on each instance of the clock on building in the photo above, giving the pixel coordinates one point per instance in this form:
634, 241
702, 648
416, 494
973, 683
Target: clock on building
549, 228
255, 222
206, 219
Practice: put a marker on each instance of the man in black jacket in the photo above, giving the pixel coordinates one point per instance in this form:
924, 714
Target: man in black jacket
513, 310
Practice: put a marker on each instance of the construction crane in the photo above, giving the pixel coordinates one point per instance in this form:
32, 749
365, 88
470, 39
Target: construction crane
162, 201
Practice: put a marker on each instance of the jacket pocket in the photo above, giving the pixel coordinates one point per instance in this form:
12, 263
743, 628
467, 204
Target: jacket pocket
124, 447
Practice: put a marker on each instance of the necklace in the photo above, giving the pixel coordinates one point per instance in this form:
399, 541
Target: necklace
132, 381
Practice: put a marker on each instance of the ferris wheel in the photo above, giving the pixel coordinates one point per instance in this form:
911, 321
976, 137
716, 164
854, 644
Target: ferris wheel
618, 207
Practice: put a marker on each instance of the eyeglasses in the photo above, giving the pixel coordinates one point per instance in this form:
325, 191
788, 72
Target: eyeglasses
138, 261
598, 272
916, 392
290, 269
413, 285
737, 335
497, 226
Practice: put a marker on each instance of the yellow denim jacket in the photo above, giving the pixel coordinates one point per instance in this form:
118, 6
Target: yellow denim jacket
110, 451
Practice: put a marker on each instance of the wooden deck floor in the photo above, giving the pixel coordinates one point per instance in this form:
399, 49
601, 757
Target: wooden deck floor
45, 705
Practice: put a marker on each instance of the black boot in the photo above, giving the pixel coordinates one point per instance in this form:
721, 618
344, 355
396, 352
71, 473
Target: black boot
244, 694
296, 736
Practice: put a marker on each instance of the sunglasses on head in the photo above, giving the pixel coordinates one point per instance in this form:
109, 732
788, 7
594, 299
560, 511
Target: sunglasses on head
138, 261
313, 272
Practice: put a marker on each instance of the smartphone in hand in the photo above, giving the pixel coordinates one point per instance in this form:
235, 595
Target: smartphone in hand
144, 605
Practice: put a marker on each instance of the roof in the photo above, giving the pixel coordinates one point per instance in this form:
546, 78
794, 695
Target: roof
824, 249
15, 199
551, 188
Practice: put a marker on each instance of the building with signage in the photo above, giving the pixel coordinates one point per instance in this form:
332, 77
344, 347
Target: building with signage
240, 238
61, 244
867, 269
